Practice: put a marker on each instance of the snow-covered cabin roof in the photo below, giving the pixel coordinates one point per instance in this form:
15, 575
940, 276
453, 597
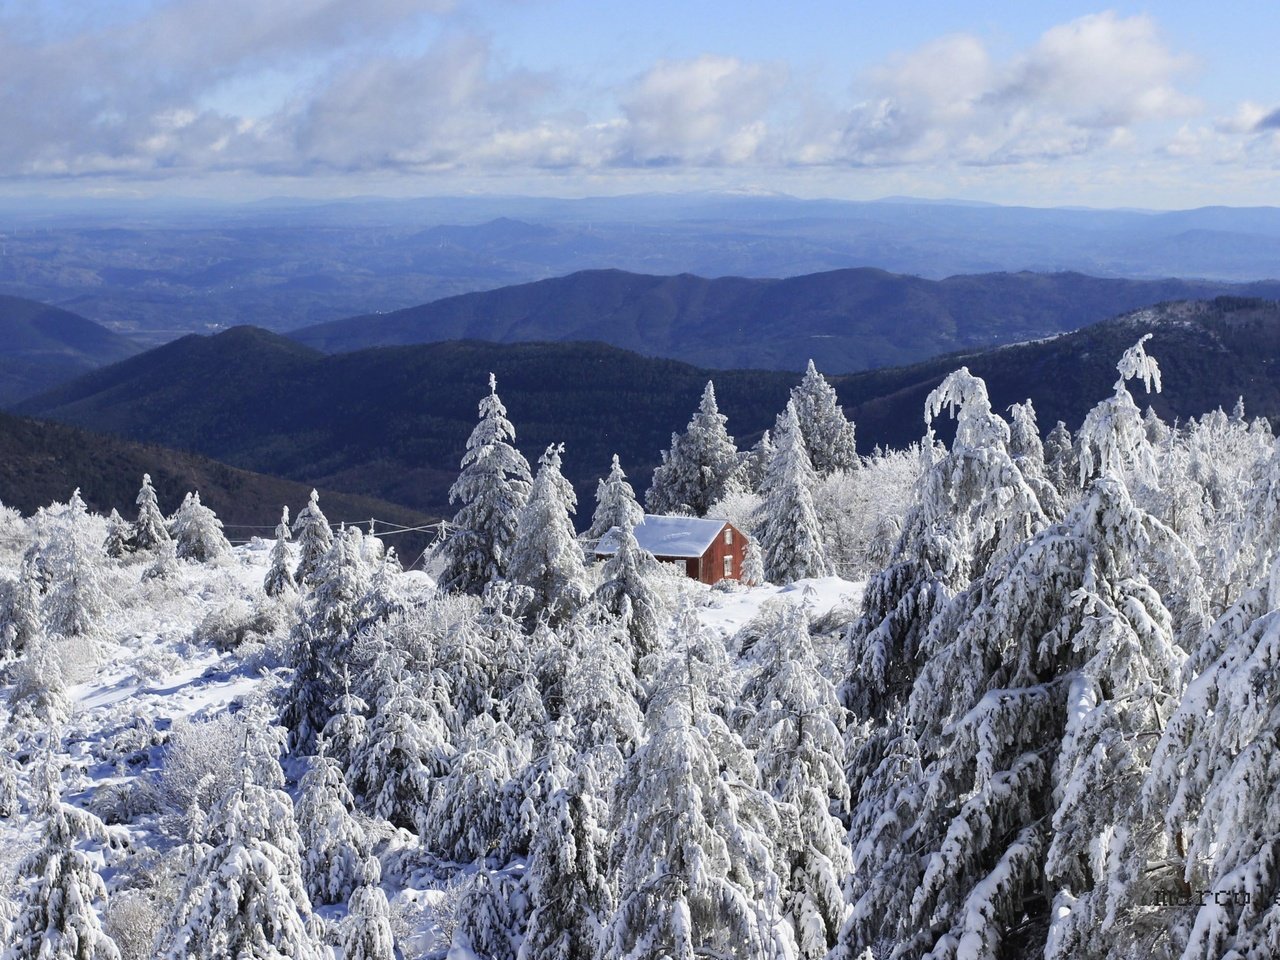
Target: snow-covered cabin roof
668, 536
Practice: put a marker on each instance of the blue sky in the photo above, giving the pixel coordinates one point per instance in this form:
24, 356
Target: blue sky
1049, 103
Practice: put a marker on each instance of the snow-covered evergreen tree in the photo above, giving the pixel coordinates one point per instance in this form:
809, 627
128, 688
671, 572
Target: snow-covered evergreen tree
616, 504
630, 592
701, 466
692, 835
828, 435
23, 620
492, 489
1024, 433
334, 846
972, 504
165, 565
601, 693
322, 640
246, 898
570, 894
488, 918
197, 531
57, 917
150, 530
120, 542
790, 538
468, 819
314, 536
757, 460
1196, 876
797, 733
366, 930
1041, 686
752, 564
405, 751
545, 556
279, 579
38, 696
345, 734
1062, 465
1113, 439
77, 602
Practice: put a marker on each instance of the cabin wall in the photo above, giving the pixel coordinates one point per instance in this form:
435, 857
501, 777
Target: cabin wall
711, 565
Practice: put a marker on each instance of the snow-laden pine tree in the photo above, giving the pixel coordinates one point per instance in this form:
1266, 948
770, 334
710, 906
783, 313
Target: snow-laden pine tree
366, 929
22, 620
38, 695
828, 435
1113, 438
322, 640
1062, 464
693, 836
1028, 453
405, 751
77, 601
790, 537
345, 734
9, 797
492, 489
468, 819
197, 531
797, 732
616, 504
150, 530
752, 564
1043, 687
488, 917
314, 536
971, 505
1198, 876
629, 591
601, 693
701, 466
757, 461
245, 897
568, 878
119, 542
1255, 542
61, 893
1212, 480
334, 845
279, 579
545, 556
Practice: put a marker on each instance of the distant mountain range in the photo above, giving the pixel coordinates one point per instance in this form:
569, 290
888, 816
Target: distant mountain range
155, 271
393, 421
846, 320
41, 346
41, 462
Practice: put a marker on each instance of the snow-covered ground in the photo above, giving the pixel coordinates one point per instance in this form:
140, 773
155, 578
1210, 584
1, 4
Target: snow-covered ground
155, 665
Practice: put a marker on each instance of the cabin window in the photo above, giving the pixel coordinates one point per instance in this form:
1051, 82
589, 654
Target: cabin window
728, 535
728, 565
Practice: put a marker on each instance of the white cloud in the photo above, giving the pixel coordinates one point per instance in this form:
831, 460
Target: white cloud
359, 87
709, 110
1082, 87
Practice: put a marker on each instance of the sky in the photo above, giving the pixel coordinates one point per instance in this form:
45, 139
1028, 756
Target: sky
1048, 104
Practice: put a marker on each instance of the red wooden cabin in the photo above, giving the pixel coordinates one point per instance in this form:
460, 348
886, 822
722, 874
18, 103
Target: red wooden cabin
709, 550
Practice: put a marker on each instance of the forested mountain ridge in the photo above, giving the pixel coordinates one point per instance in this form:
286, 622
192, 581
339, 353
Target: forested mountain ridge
851, 319
1215, 352
392, 421
42, 462
41, 346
